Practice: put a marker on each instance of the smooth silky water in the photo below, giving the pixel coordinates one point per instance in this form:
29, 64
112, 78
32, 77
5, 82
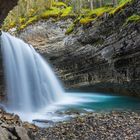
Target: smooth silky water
36, 95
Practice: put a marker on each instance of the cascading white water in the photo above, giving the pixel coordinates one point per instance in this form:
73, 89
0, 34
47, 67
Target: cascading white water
33, 91
31, 84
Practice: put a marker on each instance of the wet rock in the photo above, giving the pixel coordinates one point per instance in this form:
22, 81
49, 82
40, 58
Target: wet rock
8, 116
22, 133
74, 112
13, 133
4, 135
12, 128
30, 126
43, 121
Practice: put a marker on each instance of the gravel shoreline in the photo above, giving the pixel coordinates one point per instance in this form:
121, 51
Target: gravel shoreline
116, 125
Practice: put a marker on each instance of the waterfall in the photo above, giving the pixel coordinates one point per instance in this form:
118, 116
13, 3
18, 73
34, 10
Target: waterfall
30, 82
33, 91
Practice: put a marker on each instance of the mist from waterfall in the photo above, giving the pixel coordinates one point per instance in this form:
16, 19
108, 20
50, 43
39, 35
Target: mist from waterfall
30, 82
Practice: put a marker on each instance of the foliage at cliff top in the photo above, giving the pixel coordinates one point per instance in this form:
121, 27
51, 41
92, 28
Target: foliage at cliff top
83, 11
20, 17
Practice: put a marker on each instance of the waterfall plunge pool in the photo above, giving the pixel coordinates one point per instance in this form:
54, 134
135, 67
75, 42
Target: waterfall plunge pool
75, 104
35, 93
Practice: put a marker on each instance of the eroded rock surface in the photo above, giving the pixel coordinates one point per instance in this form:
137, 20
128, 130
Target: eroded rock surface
103, 56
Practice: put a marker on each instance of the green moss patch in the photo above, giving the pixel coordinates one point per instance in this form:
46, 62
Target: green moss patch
122, 5
100, 11
86, 20
28, 22
53, 12
70, 29
133, 18
94, 14
66, 12
59, 4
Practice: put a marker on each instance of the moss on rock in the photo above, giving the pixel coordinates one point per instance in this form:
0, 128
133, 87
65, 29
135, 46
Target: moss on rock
133, 18
122, 5
86, 20
70, 29
53, 12
60, 10
66, 12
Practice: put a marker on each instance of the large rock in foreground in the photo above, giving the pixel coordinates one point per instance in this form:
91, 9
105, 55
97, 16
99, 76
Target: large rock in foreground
12, 128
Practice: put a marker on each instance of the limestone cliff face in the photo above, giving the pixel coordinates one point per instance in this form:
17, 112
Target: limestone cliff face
102, 56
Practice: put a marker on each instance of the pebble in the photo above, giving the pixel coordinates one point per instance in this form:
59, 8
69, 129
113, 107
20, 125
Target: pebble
97, 126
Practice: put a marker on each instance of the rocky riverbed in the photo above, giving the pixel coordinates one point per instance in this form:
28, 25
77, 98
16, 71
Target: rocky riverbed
115, 125
95, 126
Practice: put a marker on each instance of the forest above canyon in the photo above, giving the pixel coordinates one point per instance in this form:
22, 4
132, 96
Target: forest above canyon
81, 11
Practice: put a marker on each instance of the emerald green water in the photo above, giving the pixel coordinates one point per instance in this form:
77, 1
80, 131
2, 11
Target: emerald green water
82, 103
104, 102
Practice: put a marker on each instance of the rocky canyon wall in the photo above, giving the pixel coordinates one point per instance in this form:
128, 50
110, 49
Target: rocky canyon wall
102, 56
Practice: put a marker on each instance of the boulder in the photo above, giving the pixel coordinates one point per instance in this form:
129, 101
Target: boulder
6, 135
22, 133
